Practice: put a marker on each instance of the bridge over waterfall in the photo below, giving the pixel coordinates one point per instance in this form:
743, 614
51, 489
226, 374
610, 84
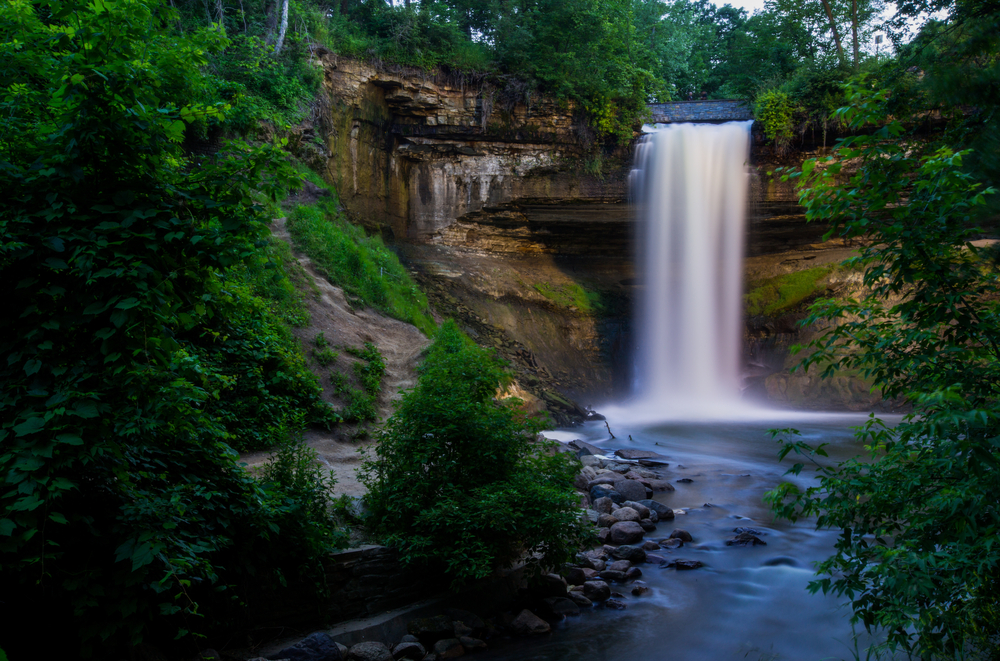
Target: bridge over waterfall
712, 112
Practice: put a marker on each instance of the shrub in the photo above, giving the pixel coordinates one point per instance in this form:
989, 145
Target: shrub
456, 482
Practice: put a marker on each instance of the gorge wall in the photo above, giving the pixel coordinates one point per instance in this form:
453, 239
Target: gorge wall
520, 230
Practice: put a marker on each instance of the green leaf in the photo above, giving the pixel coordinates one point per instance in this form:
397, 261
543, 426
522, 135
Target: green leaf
29, 426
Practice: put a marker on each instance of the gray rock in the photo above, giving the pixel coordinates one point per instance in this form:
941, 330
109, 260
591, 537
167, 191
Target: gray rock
563, 606
316, 647
344, 649
650, 545
631, 490
604, 535
461, 629
409, 638
579, 445
656, 559
665, 513
659, 485
603, 480
577, 575
681, 534
617, 467
581, 482
626, 532
409, 650
615, 604
590, 460
684, 564
589, 562
604, 505
527, 623
591, 515
605, 491
638, 589
672, 543
596, 590
632, 573
620, 565
625, 514
580, 600
607, 520
551, 585
627, 453
609, 575
470, 643
654, 517
369, 651
449, 648
746, 539
643, 511
430, 629
652, 462
634, 554
647, 525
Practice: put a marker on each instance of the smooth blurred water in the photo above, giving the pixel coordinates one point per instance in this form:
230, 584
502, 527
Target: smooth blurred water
689, 185
746, 603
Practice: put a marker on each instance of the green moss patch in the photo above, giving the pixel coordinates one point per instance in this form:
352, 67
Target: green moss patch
781, 293
571, 295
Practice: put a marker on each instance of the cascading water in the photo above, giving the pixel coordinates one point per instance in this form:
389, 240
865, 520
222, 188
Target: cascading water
690, 184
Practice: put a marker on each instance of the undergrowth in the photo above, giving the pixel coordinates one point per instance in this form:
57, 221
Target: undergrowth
363, 266
783, 292
361, 404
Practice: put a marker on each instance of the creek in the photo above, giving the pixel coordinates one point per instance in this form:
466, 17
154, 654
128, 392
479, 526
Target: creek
746, 602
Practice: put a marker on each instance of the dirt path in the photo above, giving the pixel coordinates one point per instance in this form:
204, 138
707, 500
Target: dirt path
400, 344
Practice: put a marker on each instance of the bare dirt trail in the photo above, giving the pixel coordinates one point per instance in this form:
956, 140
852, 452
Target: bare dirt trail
341, 325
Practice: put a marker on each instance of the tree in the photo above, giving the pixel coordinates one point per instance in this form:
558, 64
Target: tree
124, 511
917, 555
457, 483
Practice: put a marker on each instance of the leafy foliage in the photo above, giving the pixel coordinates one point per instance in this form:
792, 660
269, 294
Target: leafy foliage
135, 283
456, 481
917, 554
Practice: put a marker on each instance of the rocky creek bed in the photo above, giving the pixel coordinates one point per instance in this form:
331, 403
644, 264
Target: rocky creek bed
689, 551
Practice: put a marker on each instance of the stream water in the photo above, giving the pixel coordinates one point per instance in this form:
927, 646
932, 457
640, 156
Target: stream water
745, 603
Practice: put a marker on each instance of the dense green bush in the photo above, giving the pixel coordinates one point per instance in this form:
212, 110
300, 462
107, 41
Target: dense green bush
124, 514
917, 554
456, 481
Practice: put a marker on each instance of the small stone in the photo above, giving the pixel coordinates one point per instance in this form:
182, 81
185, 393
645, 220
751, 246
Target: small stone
408, 650
604, 505
685, 480
664, 512
626, 532
632, 573
461, 630
639, 589
596, 590
605, 491
611, 575
654, 517
590, 460
591, 515
684, 564
660, 485
607, 520
650, 545
615, 604
620, 565
648, 525
527, 623
409, 638
746, 539
604, 535
563, 606
631, 490
312, 648
625, 514
470, 643
643, 511
628, 453
650, 557
580, 600
449, 648
633, 554
651, 463
369, 651
681, 534
671, 543
551, 585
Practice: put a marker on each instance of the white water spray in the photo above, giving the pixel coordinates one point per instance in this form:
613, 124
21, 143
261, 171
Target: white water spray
690, 184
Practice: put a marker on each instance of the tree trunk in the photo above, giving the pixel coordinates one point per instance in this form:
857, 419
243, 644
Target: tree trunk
836, 33
854, 33
282, 28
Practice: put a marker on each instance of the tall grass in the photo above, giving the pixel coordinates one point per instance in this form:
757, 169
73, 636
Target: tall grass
362, 265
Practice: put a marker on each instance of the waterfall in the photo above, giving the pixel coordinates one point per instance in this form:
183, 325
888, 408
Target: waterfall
690, 186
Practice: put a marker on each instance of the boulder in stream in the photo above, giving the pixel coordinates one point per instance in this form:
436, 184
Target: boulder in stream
316, 647
626, 532
634, 554
527, 624
665, 513
628, 453
631, 489
626, 514
596, 590
369, 651
681, 534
